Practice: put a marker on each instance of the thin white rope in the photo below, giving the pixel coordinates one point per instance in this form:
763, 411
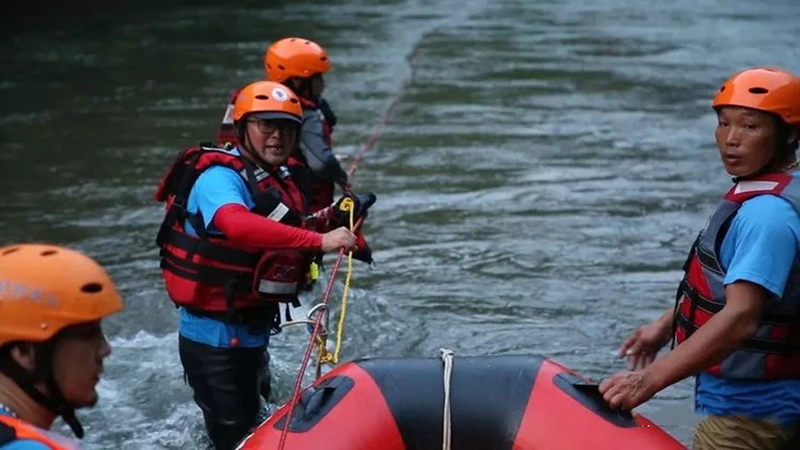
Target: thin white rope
447, 357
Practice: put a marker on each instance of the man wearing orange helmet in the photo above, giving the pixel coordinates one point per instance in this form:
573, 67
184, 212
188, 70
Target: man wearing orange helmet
737, 315
52, 347
300, 64
236, 241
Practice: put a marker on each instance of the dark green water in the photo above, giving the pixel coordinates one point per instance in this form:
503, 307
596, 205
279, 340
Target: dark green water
542, 178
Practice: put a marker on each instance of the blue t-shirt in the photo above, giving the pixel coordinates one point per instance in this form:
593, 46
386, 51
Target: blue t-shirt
23, 444
760, 247
214, 188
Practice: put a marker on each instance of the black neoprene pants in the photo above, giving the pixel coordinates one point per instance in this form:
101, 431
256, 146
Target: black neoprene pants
226, 388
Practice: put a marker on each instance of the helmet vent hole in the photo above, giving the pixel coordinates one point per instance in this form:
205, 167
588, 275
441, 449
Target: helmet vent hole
48, 252
262, 97
758, 90
92, 288
722, 89
10, 251
280, 66
293, 100
322, 58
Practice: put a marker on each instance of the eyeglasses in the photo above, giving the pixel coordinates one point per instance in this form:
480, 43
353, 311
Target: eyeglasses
269, 126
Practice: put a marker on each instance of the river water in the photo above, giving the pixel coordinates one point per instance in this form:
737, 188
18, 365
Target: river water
539, 183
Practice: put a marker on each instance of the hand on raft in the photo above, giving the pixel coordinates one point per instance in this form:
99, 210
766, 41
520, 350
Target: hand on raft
628, 389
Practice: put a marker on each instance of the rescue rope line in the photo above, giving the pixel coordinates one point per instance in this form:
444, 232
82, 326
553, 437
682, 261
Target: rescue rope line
377, 130
314, 335
374, 136
326, 357
447, 356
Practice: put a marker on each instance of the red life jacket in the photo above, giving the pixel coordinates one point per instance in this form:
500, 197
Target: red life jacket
13, 429
207, 272
320, 194
774, 351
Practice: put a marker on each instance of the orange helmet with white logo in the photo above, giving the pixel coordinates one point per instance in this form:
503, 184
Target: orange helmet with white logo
295, 57
44, 289
766, 89
267, 100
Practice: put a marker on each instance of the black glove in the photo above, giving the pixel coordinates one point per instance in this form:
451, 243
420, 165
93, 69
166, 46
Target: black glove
360, 204
364, 253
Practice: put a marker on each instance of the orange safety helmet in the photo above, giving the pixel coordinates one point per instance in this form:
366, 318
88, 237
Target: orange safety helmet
767, 89
267, 100
295, 57
44, 288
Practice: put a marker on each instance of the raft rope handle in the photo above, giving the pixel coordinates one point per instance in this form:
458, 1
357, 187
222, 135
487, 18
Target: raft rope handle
321, 338
447, 356
309, 320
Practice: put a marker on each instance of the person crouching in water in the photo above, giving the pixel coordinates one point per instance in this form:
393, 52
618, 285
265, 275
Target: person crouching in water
52, 347
737, 313
234, 244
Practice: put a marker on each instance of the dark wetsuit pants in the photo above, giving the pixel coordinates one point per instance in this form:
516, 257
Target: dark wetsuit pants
227, 386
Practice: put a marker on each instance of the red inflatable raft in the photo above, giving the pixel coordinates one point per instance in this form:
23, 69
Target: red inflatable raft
496, 402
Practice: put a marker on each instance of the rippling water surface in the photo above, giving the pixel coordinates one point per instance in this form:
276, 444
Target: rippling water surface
539, 184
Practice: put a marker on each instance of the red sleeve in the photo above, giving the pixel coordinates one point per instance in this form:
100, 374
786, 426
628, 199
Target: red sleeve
242, 226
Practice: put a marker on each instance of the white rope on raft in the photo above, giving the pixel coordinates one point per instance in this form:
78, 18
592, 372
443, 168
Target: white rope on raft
447, 356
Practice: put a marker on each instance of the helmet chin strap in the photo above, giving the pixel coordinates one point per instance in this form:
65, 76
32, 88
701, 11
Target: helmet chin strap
246, 147
55, 402
253, 155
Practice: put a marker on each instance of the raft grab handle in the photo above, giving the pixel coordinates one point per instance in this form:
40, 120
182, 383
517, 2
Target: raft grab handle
588, 394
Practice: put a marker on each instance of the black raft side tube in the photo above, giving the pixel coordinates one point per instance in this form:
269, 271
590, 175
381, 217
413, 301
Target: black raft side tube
488, 397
